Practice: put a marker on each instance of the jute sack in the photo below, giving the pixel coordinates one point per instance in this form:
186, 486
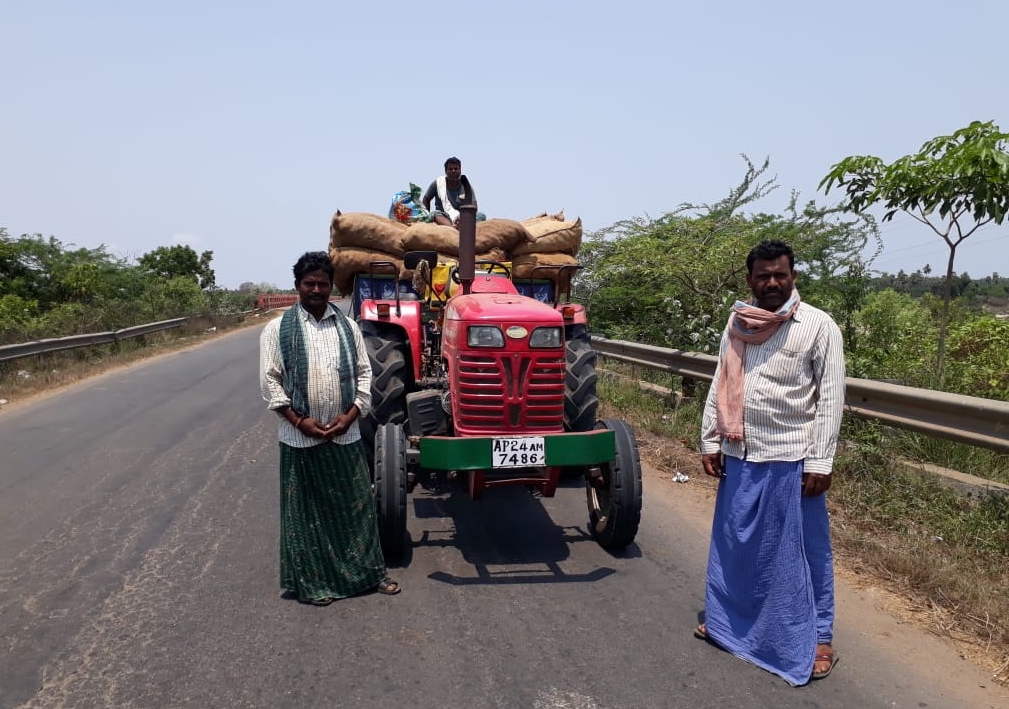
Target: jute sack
523, 265
551, 235
541, 222
544, 217
493, 255
500, 234
427, 236
367, 231
348, 261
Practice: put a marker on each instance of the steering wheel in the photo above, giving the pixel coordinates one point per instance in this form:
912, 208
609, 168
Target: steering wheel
492, 264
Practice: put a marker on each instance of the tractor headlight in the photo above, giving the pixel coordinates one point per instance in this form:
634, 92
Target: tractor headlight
484, 336
545, 337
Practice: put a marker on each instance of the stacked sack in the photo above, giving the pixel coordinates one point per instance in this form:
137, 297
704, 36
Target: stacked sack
358, 238
555, 242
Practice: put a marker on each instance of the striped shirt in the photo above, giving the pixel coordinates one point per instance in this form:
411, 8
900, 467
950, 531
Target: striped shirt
324, 399
793, 395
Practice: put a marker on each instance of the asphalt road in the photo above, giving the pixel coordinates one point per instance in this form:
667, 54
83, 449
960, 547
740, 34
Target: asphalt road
138, 568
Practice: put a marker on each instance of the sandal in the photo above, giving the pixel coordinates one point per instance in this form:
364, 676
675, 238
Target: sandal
701, 632
317, 601
829, 657
388, 587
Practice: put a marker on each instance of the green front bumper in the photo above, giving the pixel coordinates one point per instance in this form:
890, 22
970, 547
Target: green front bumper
561, 449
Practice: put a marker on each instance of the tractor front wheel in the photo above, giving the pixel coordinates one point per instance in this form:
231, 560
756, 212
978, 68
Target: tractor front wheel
614, 494
390, 488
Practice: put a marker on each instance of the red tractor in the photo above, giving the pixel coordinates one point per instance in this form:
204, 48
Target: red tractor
490, 385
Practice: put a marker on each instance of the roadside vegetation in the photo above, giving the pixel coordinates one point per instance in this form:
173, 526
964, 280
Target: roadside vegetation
954, 185
49, 290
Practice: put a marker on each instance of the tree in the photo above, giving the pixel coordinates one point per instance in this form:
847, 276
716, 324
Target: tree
177, 296
169, 262
662, 281
250, 287
954, 184
46, 271
671, 281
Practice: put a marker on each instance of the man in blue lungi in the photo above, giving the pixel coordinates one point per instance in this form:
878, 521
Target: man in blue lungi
769, 432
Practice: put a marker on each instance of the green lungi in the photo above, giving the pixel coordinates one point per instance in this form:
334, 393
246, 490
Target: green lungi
329, 544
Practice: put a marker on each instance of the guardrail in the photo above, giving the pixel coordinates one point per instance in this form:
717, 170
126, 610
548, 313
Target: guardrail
965, 419
27, 349
56, 344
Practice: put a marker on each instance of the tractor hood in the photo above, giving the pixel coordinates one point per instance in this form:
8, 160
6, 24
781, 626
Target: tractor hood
498, 307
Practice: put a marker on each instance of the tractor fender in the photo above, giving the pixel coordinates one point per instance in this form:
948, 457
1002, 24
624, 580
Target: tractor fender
407, 321
574, 313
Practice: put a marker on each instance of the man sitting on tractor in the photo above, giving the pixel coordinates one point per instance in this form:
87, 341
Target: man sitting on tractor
448, 192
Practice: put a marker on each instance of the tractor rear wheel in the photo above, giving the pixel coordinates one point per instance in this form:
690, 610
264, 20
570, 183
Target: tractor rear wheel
581, 404
614, 497
390, 488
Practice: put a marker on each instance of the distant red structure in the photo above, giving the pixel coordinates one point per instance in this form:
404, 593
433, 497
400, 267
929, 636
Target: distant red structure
269, 301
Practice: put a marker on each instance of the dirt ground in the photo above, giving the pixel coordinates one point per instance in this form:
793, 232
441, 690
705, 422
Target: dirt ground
898, 622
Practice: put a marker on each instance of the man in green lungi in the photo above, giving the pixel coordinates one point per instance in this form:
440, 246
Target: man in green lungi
314, 373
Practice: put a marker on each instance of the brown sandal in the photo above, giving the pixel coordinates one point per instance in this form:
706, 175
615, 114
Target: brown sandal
388, 587
317, 601
829, 657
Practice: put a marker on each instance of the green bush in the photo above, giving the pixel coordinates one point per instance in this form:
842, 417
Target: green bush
977, 361
896, 340
16, 317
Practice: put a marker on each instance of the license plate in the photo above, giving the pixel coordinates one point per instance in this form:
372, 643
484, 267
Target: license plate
528, 451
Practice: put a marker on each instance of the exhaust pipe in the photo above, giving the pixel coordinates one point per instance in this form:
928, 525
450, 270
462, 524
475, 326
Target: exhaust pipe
467, 238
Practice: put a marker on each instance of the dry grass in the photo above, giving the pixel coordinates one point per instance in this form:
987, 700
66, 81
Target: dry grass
941, 557
943, 552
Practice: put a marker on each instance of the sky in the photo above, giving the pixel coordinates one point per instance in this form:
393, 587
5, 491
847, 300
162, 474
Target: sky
241, 127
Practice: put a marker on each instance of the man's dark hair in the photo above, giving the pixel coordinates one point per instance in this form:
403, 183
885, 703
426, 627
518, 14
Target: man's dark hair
313, 261
770, 250
453, 161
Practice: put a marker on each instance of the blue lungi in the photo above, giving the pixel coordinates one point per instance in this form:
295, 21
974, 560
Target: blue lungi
770, 584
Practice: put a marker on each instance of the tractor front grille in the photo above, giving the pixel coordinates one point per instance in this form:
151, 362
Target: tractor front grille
508, 393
